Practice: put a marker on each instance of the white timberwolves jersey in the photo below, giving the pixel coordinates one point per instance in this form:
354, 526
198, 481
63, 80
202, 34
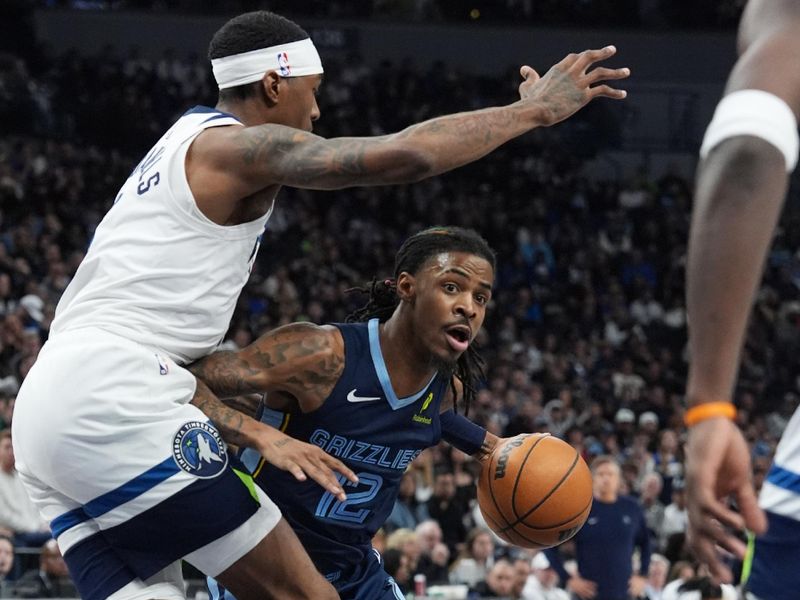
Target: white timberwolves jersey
159, 272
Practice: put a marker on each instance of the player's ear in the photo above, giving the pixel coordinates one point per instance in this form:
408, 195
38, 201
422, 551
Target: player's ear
406, 286
270, 87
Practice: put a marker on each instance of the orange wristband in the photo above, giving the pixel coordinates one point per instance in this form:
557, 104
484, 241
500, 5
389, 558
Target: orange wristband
709, 410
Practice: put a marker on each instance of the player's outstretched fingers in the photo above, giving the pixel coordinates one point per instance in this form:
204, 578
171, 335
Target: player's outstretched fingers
605, 74
337, 465
754, 518
589, 57
320, 473
528, 73
706, 552
607, 92
297, 471
711, 508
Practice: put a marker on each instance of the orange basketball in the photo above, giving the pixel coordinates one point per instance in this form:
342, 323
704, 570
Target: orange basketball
535, 491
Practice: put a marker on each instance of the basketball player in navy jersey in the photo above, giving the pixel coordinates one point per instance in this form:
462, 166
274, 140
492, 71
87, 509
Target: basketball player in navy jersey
126, 469
749, 149
374, 394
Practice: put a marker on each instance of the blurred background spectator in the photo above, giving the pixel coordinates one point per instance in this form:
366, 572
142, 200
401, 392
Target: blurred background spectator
50, 580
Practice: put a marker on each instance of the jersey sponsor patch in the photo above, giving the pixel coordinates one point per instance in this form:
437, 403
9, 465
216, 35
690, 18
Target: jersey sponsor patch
199, 450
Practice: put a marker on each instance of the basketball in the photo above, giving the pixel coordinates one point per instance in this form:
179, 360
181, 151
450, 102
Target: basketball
535, 491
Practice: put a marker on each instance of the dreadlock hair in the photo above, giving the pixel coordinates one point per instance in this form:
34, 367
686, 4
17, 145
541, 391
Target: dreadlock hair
251, 31
413, 254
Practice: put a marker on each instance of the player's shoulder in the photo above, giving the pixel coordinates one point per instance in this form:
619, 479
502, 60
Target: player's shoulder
305, 330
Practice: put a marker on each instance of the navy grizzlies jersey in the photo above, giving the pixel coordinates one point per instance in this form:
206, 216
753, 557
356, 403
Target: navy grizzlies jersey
365, 425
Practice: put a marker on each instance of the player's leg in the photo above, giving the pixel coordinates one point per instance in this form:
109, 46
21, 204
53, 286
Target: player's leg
106, 425
371, 582
278, 567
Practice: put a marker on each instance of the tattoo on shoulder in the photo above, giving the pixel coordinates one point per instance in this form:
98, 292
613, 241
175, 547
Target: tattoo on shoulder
297, 356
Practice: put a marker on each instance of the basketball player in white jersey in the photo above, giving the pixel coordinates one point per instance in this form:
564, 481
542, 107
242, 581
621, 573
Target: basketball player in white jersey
749, 149
131, 476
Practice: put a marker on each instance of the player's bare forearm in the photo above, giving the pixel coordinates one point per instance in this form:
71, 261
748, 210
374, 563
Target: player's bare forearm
249, 404
739, 196
302, 359
234, 426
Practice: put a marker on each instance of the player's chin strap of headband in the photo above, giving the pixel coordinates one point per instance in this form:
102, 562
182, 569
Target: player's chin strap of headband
295, 59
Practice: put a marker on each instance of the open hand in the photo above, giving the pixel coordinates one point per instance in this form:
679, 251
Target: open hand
717, 467
568, 86
306, 460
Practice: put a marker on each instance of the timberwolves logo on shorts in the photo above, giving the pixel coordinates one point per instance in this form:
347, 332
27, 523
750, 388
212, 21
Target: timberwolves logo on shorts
198, 449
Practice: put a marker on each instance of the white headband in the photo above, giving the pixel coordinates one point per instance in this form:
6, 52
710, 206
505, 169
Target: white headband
295, 59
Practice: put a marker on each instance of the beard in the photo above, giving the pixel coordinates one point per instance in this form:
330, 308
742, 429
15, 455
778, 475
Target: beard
443, 366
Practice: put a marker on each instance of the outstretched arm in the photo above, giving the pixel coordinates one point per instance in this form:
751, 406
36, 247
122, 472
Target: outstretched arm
241, 161
741, 187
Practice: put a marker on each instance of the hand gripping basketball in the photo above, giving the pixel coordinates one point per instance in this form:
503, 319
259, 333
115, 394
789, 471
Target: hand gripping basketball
535, 491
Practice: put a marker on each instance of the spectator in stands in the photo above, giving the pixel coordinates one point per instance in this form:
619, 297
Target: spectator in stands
698, 588
522, 571
656, 577
6, 566
50, 580
396, 565
17, 512
446, 507
651, 505
407, 512
667, 462
429, 534
606, 543
499, 582
405, 540
675, 516
542, 584
438, 572
475, 560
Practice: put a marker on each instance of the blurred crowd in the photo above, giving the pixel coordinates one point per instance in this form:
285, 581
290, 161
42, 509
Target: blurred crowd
585, 337
593, 13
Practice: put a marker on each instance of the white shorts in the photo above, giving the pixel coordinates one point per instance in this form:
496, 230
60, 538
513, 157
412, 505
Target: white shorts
130, 476
780, 493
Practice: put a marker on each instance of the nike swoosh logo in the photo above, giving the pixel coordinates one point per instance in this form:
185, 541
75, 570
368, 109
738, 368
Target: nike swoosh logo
351, 397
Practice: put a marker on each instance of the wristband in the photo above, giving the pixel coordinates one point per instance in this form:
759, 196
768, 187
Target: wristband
709, 410
460, 432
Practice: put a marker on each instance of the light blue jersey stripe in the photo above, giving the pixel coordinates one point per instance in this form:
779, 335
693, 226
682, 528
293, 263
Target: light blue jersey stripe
383, 373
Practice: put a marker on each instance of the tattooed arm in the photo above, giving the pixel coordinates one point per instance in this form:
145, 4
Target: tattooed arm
236, 162
302, 359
